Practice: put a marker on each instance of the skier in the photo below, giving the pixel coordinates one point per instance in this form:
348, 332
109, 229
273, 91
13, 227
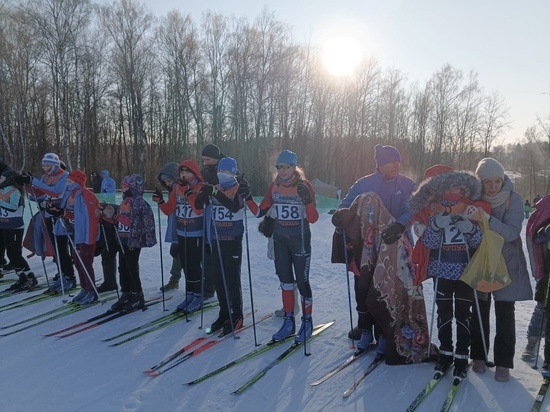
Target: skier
187, 223
394, 189
108, 187
450, 239
12, 205
107, 247
48, 190
135, 227
292, 198
168, 178
226, 233
506, 219
3, 262
78, 216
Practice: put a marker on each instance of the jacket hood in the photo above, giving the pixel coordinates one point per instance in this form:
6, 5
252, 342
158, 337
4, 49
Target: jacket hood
431, 189
170, 169
105, 172
135, 183
193, 167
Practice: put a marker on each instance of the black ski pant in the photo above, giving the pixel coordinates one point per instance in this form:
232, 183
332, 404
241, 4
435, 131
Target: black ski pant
128, 267
292, 261
505, 336
227, 258
190, 255
454, 299
13, 239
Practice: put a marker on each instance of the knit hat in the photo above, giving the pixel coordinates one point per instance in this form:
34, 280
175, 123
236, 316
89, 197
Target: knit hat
78, 176
51, 159
211, 150
229, 164
386, 154
489, 167
287, 157
437, 170
10, 176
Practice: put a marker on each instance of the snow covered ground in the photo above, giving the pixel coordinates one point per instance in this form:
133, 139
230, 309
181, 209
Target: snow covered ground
82, 373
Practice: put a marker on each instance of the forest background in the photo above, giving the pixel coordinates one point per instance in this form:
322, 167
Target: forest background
115, 87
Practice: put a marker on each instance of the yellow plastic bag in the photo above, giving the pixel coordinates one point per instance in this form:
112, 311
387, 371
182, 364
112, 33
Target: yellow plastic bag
487, 269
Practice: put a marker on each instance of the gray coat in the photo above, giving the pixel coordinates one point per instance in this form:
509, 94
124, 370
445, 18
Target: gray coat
507, 220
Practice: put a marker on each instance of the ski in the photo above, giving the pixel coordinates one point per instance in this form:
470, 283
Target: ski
155, 324
287, 353
112, 316
108, 312
160, 370
26, 302
438, 377
356, 355
377, 361
269, 345
451, 394
7, 293
541, 395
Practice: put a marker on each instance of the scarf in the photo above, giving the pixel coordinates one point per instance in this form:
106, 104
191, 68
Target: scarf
497, 199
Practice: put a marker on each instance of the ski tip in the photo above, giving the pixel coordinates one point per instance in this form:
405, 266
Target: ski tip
154, 374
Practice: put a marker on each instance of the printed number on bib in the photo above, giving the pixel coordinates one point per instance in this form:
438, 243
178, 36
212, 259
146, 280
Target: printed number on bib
122, 228
185, 211
453, 236
222, 214
288, 212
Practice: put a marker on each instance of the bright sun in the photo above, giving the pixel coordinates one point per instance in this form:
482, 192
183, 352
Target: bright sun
341, 55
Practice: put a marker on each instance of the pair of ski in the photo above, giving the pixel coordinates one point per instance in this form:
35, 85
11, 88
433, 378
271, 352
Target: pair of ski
432, 384
101, 319
205, 343
155, 324
30, 300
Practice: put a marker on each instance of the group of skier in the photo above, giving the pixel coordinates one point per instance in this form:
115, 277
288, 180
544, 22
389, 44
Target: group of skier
391, 233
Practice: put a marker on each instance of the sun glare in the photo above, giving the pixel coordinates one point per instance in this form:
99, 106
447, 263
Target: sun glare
341, 55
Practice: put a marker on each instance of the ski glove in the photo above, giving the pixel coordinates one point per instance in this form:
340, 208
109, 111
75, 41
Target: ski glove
157, 197
205, 193
465, 226
109, 212
392, 233
304, 193
337, 220
441, 221
244, 190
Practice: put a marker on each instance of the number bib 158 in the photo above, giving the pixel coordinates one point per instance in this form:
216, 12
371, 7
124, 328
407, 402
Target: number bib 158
288, 211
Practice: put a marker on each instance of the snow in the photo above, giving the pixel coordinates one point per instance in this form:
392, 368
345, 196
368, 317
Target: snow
82, 373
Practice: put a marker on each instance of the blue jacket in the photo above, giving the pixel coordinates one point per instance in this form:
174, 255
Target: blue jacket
108, 184
394, 193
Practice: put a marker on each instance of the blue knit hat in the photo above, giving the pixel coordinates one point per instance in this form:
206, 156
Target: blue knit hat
287, 157
229, 164
386, 154
51, 159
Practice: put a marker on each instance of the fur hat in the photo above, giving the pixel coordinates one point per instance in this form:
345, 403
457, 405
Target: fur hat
287, 157
489, 167
51, 159
229, 164
78, 176
386, 154
211, 150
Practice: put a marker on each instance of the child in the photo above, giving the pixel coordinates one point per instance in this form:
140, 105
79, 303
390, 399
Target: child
135, 227
78, 218
293, 199
12, 205
439, 204
188, 224
226, 234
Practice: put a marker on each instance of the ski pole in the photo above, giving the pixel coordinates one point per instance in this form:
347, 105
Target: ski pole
75, 250
249, 274
349, 288
203, 262
161, 262
226, 290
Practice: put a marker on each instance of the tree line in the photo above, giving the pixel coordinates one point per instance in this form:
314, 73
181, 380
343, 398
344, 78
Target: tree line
112, 86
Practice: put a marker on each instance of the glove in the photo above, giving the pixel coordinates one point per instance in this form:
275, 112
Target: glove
109, 212
26, 178
188, 191
54, 211
337, 220
441, 221
304, 193
465, 226
209, 190
267, 226
244, 190
205, 193
392, 233
157, 197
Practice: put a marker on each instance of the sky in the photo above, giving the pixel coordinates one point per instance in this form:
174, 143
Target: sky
505, 41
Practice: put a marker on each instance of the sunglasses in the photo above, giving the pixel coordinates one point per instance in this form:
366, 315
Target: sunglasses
284, 167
